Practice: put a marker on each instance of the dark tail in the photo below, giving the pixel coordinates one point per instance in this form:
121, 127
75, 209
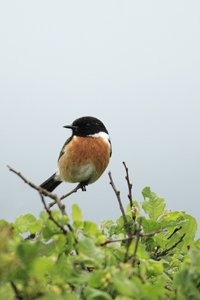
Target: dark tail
51, 183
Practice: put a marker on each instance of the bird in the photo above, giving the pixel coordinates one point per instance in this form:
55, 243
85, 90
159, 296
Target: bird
84, 156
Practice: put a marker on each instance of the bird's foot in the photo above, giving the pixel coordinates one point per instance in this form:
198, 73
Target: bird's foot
83, 186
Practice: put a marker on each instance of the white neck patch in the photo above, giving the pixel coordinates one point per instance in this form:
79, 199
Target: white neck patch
101, 134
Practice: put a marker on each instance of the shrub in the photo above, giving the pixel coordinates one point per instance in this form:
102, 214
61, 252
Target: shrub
147, 253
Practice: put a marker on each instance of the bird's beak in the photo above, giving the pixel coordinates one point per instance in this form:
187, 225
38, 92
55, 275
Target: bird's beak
70, 127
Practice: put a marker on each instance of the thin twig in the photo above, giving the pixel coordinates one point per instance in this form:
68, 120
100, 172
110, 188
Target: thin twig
16, 291
117, 193
138, 236
78, 187
164, 252
130, 197
175, 230
169, 288
127, 250
34, 186
130, 238
51, 216
43, 192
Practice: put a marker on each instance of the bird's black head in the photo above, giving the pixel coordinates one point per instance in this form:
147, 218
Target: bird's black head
87, 126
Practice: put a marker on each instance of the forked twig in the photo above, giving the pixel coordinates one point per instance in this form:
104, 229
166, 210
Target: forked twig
51, 216
78, 187
42, 193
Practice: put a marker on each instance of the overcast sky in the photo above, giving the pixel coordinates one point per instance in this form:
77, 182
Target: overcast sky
133, 64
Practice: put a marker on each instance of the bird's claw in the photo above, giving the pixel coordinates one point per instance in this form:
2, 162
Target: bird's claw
83, 186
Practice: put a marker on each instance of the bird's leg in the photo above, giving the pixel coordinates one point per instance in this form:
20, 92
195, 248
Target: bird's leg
83, 185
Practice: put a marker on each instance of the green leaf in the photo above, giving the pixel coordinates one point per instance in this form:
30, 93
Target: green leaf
27, 223
53, 296
188, 279
76, 213
108, 227
150, 225
6, 292
97, 279
133, 211
155, 267
127, 287
153, 205
41, 266
90, 228
58, 243
27, 251
102, 262
94, 294
87, 247
3, 224
185, 224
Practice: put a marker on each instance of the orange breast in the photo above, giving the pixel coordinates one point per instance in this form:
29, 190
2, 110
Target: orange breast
84, 159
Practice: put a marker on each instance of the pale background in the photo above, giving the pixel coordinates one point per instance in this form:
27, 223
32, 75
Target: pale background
133, 64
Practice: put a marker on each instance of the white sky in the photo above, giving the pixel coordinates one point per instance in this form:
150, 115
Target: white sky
133, 64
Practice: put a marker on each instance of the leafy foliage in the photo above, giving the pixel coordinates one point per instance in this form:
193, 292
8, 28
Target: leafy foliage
155, 257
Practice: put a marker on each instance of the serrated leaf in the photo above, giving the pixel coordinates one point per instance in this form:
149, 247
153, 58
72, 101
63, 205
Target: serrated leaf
153, 205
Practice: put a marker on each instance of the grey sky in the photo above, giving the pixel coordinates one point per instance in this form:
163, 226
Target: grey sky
133, 64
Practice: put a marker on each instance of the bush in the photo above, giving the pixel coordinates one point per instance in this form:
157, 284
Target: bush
147, 253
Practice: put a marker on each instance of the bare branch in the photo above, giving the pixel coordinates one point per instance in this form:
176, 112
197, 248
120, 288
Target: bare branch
51, 216
44, 193
138, 236
130, 197
78, 187
127, 250
117, 193
130, 238
34, 186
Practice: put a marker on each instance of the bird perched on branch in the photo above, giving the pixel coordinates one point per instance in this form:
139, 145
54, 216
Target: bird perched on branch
84, 156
